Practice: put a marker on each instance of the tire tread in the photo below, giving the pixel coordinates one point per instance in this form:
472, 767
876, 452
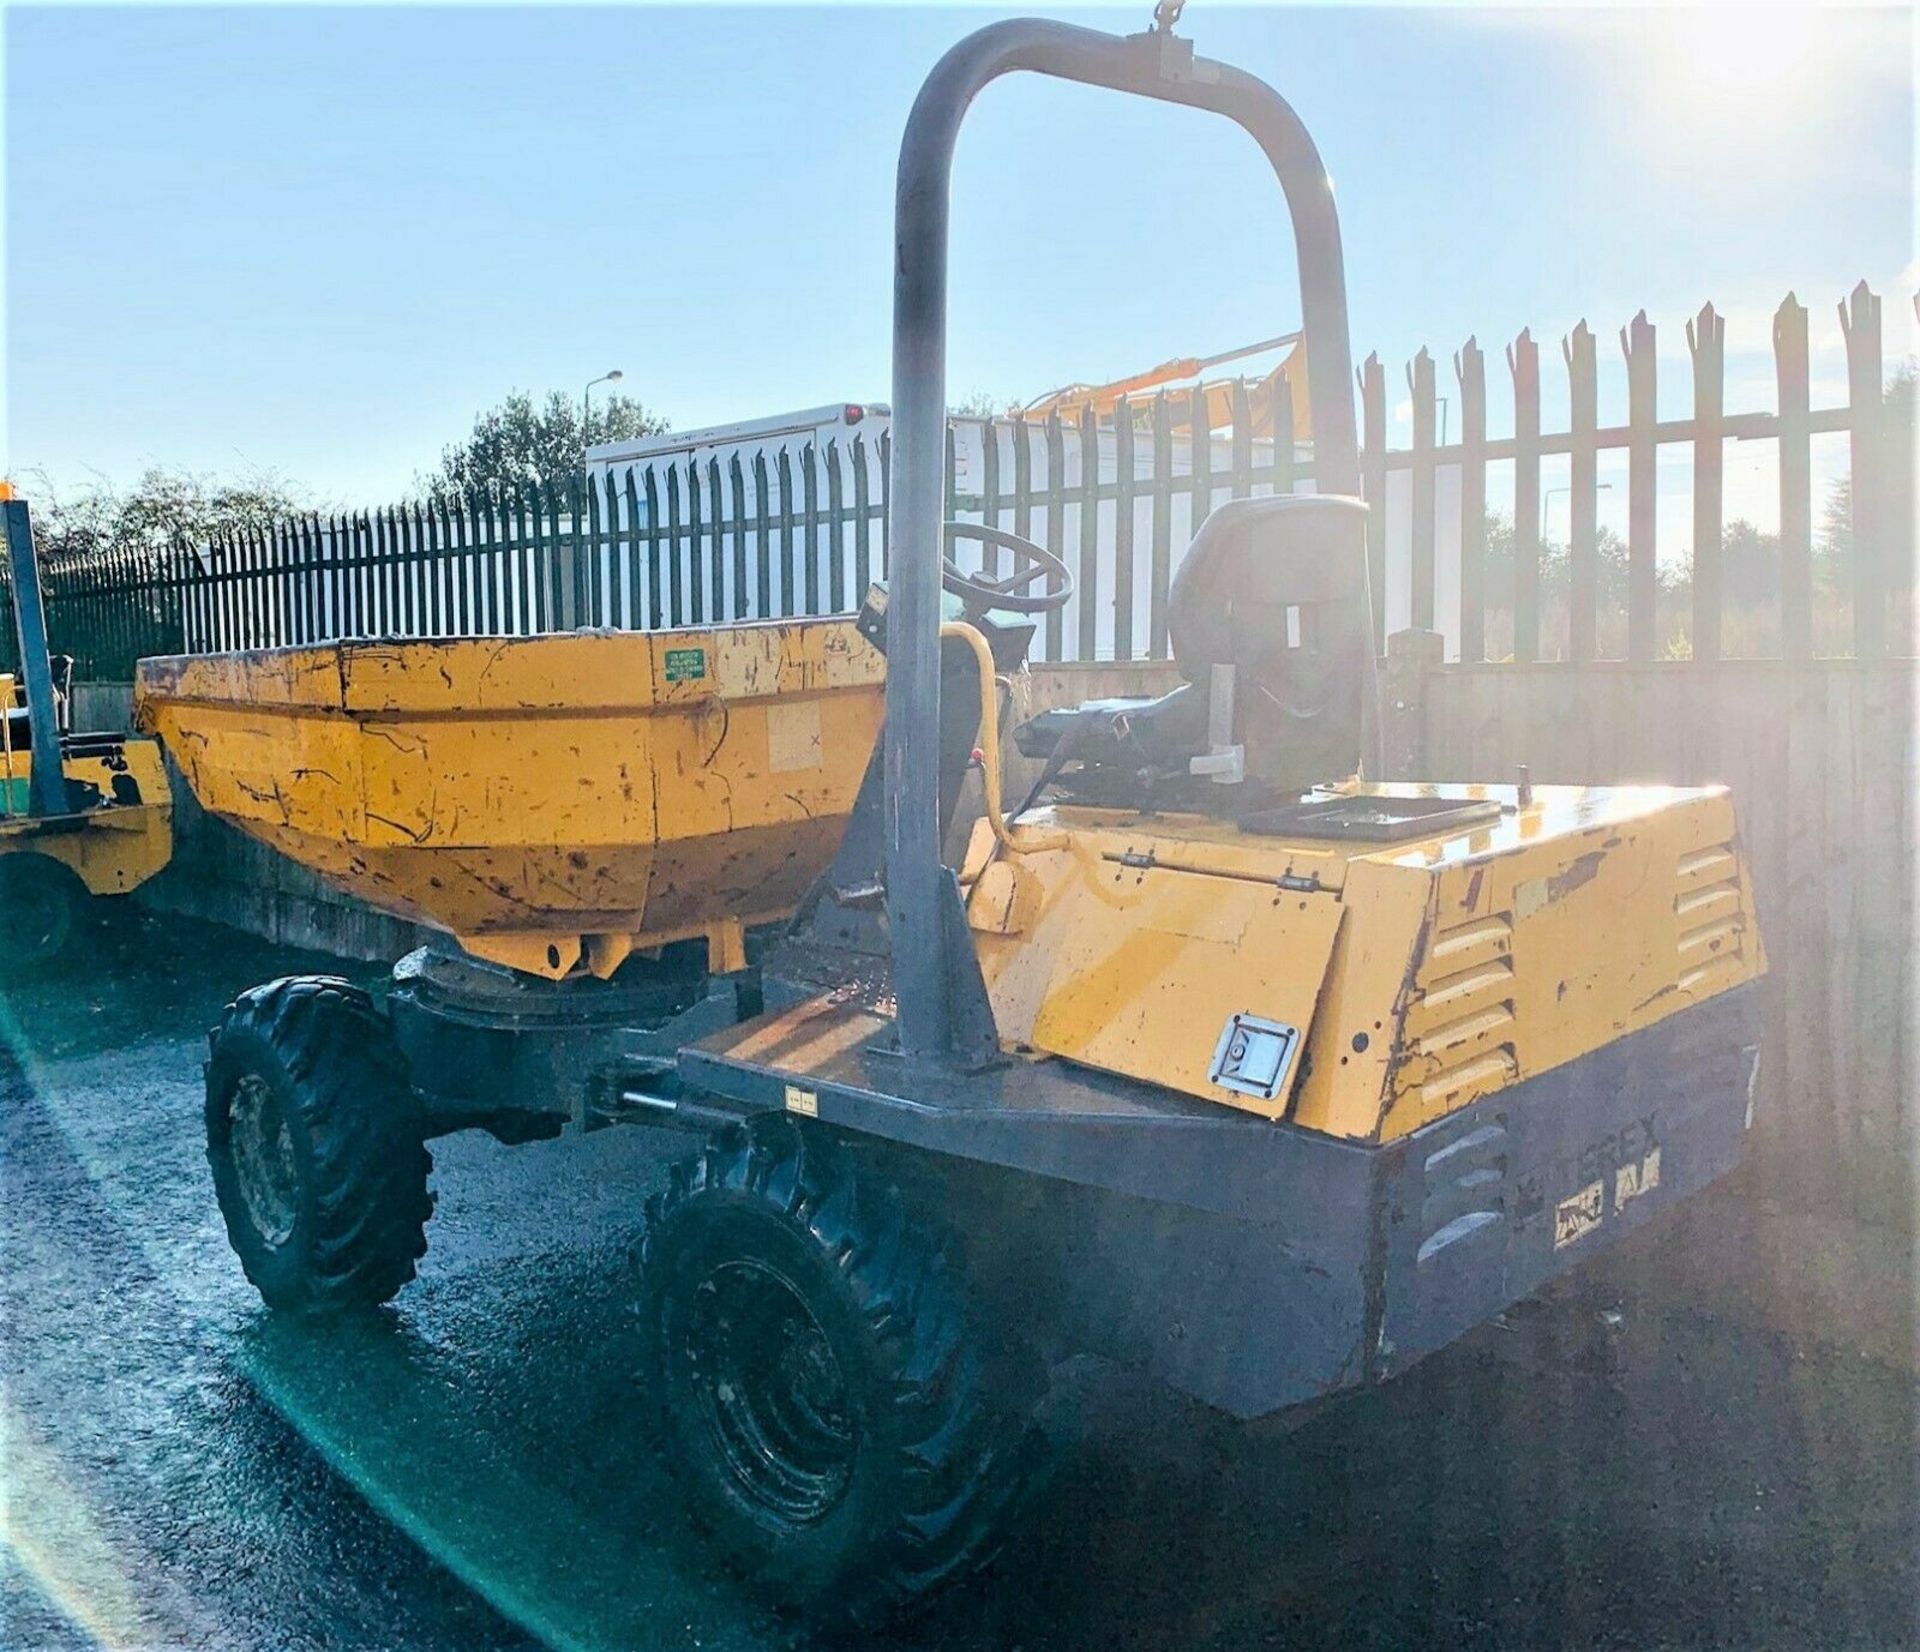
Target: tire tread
348, 1085
961, 1428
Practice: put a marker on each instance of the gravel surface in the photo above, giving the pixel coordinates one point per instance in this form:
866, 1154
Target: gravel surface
1608, 1466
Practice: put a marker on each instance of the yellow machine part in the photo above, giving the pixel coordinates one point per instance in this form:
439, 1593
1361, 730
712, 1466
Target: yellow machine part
1216, 396
112, 849
1422, 975
553, 802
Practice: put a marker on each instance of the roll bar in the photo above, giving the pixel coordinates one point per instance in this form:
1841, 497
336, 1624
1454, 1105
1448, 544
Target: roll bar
1155, 65
47, 783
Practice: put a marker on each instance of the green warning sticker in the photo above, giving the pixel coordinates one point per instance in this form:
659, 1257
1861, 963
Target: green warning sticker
686, 665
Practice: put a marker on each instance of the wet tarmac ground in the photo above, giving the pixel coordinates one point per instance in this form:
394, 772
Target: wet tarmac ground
1609, 1466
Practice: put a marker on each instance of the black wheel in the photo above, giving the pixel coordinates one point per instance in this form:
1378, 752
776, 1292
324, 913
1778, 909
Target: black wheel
843, 1432
40, 901
316, 1146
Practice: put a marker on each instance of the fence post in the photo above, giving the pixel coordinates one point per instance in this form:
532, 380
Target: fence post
1420, 382
1242, 406
1637, 345
716, 545
580, 610
783, 475
1523, 362
1421, 538
862, 533
696, 563
1860, 326
1583, 502
1056, 521
1020, 434
989, 492
483, 533
763, 535
737, 495
885, 445
1470, 368
810, 537
1796, 480
1087, 583
519, 564
1281, 403
676, 583
1373, 485
1160, 568
1707, 339
836, 515
1123, 480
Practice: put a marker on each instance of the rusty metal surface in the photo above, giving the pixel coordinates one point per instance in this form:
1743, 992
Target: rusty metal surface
549, 801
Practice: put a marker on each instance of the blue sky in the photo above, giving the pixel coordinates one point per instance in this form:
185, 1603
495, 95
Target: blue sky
318, 240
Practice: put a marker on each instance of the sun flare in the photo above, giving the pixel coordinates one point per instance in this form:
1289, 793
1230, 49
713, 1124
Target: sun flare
1743, 49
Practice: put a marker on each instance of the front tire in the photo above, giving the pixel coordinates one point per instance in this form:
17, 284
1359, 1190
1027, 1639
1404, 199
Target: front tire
315, 1145
843, 1431
40, 906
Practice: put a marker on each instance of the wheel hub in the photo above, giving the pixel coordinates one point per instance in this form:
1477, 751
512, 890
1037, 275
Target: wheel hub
263, 1159
772, 1391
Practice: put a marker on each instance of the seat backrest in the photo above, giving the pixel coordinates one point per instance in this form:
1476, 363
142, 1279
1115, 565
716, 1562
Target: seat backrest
1276, 588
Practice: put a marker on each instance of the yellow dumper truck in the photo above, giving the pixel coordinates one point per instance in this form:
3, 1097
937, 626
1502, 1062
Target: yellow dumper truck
81, 815
1217, 1056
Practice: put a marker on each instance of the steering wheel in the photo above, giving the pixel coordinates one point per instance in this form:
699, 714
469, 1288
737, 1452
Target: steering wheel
1030, 561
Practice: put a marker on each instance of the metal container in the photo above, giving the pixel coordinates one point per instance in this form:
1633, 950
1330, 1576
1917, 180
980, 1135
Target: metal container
553, 802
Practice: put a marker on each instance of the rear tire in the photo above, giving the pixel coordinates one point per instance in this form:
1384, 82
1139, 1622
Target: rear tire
40, 904
316, 1147
843, 1432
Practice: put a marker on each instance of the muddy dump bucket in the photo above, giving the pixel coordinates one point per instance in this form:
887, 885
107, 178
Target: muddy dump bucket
553, 802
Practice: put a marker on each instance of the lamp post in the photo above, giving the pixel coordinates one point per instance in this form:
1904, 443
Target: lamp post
586, 399
1546, 500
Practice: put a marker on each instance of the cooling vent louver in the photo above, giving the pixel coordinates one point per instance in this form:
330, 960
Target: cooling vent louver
1712, 921
1460, 1028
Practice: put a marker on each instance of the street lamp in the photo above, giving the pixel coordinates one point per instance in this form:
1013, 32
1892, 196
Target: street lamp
586, 397
1546, 500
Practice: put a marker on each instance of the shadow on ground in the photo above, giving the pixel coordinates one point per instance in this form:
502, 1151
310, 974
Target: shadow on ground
1612, 1465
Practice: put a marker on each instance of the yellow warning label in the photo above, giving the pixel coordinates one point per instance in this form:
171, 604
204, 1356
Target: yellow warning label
801, 1101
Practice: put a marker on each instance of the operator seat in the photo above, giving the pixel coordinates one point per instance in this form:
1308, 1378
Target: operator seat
1269, 620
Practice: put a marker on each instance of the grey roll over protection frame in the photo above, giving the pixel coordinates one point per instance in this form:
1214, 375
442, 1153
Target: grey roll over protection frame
1155, 65
47, 783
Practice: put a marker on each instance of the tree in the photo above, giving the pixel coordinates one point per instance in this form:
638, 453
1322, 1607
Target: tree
165, 507
521, 443
1749, 565
979, 404
1894, 453
1556, 576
